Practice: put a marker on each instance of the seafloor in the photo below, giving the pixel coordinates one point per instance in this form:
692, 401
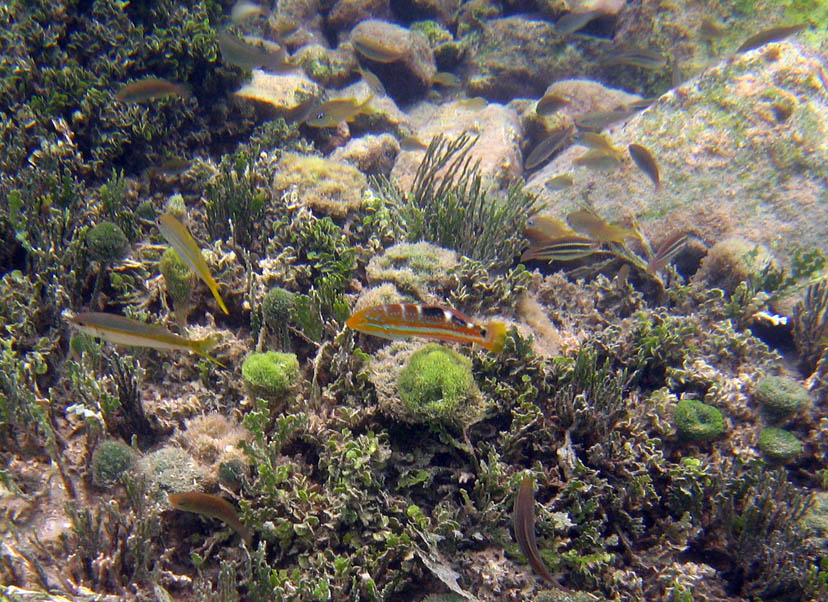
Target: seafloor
650, 236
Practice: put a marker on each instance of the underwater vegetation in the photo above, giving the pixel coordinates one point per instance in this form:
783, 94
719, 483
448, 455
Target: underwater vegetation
198, 399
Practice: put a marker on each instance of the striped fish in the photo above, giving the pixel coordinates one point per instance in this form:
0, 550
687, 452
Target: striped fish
126, 331
566, 248
400, 320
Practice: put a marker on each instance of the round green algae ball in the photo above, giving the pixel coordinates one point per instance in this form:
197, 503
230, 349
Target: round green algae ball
111, 460
781, 396
779, 445
271, 374
177, 275
176, 207
436, 384
698, 421
277, 307
107, 242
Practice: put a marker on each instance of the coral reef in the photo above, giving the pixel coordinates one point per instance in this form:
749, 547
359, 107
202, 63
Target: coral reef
643, 387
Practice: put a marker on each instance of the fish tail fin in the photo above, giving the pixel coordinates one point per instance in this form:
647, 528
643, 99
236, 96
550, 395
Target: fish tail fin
214, 289
363, 106
203, 346
495, 337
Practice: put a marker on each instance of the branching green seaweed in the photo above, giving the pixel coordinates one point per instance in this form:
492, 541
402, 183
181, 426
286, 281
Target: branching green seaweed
449, 206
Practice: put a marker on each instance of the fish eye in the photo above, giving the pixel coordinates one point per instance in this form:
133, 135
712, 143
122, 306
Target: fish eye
483, 332
320, 115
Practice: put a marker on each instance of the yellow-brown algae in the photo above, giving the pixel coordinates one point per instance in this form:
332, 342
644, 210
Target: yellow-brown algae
212, 506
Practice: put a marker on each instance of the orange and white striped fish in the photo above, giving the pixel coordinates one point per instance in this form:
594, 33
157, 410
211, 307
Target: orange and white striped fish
400, 320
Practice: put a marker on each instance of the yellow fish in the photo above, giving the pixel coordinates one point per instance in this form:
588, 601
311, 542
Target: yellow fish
332, 112
185, 245
126, 331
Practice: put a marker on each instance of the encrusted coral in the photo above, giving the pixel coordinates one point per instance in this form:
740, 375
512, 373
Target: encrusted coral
781, 396
325, 186
107, 242
214, 441
697, 421
271, 374
779, 445
421, 269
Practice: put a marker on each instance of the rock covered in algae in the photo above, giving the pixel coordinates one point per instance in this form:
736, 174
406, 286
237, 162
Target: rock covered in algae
326, 186
415, 268
347, 13
110, 461
171, 469
781, 396
426, 384
779, 445
372, 155
107, 242
519, 56
741, 152
272, 375
698, 421
408, 76
734, 260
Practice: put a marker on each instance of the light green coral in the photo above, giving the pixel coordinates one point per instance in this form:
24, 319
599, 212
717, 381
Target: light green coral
698, 421
437, 385
326, 186
779, 445
419, 269
271, 375
781, 396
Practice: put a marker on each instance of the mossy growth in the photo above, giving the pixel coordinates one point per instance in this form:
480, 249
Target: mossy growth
418, 268
277, 308
171, 469
435, 33
179, 280
176, 207
781, 396
698, 421
779, 445
110, 461
107, 243
437, 385
271, 375
326, 186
